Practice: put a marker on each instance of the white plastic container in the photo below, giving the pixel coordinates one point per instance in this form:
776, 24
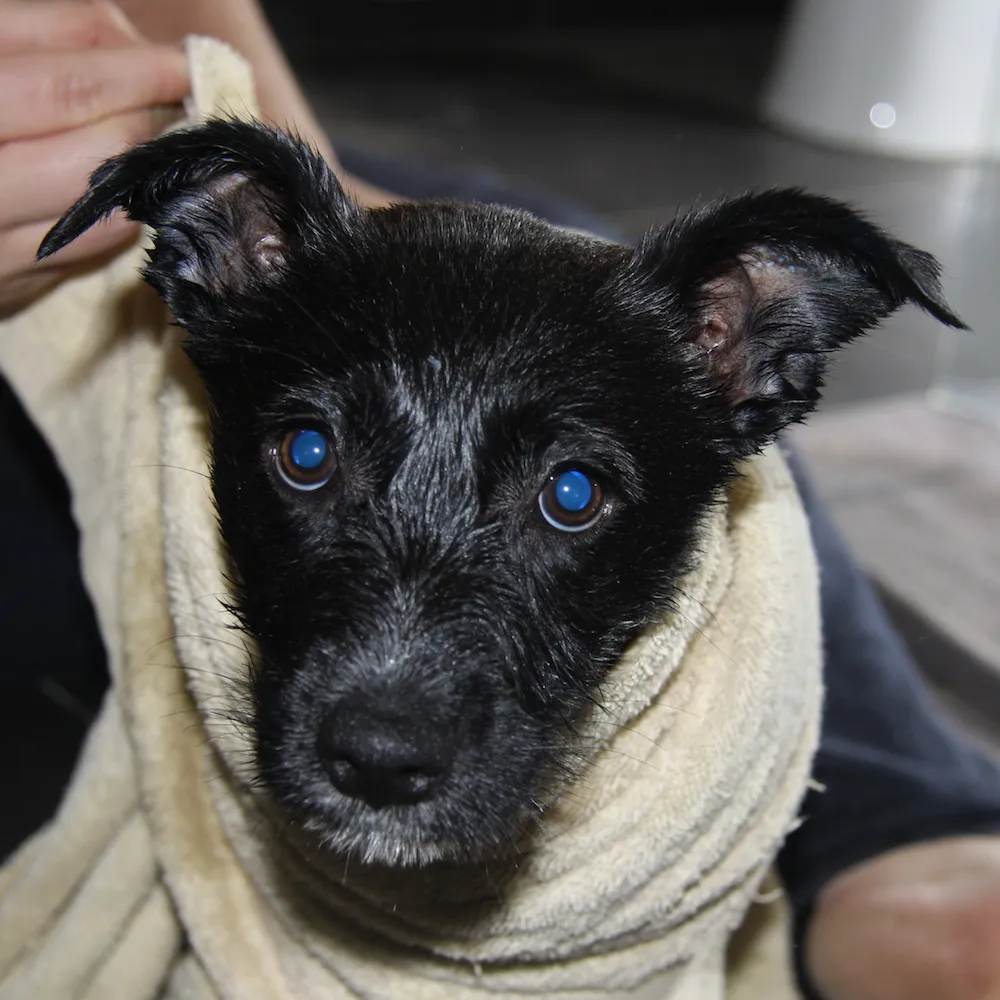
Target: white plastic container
912, 78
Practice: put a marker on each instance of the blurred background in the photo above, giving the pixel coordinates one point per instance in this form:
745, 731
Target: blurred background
633, 111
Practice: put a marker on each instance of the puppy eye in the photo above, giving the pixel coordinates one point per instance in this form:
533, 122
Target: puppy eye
571, 501
304, 459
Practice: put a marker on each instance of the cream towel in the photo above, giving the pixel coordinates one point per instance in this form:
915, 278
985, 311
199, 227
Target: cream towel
163, 875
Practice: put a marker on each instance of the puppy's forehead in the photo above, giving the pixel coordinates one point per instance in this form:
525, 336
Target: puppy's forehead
463, 329
441, 289
475, 320
438, 262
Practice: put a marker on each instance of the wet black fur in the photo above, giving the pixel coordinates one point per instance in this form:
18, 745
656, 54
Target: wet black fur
456, 356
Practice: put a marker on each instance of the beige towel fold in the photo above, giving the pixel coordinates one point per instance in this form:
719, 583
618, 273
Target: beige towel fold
163, 874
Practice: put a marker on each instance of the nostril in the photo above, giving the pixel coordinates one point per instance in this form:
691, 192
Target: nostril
342, 771
382, 759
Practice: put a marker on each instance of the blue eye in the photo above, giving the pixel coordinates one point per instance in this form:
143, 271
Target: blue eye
307, 450
571, 501
304, 459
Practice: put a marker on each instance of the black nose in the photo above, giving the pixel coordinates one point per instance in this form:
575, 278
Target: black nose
381, 757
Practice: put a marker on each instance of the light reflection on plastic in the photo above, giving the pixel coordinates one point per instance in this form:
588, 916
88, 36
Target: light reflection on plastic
882, 115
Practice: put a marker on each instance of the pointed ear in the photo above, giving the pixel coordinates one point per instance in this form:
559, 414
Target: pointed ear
769, 286
230, 202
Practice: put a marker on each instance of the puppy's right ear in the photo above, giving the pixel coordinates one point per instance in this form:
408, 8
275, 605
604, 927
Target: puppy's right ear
759, 291
229, 201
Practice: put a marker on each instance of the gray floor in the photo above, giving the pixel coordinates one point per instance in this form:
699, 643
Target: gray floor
637, 124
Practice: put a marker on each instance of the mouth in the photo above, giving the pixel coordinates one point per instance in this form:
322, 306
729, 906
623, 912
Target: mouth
484, 805
405, 762
398, 836
454, 827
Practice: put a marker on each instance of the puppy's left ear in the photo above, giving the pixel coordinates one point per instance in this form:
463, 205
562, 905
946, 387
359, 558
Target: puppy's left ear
769, 285
230, 202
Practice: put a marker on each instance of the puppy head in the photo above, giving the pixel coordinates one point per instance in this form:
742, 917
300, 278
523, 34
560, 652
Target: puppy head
460, 457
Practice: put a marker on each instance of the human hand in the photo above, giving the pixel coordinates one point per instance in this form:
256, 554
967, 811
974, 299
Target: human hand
79, 84
243, 25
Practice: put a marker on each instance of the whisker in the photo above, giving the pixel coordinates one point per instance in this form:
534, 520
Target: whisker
177, 468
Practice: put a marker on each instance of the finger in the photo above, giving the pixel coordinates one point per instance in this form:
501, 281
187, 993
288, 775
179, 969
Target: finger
93, 249
63, 26
19, 246
43, 177
48, 92
365, 194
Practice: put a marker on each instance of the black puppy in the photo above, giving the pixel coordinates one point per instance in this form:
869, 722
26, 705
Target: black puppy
460, 457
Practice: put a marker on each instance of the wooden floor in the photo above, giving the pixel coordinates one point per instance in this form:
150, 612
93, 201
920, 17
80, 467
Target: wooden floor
916, 491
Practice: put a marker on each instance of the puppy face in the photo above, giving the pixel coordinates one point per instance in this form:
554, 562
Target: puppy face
460, 457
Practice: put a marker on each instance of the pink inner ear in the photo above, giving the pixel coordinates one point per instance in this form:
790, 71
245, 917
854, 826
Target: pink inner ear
255, 229
716, 332
722, 333
730, 309
269, 252
256, 243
